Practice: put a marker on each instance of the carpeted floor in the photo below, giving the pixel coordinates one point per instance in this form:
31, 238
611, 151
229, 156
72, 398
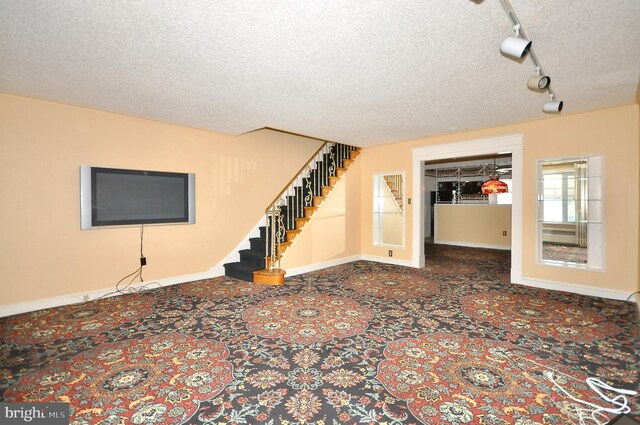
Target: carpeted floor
358, 343
559, 252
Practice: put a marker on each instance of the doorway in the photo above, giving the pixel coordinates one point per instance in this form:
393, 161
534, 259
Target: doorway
501, 144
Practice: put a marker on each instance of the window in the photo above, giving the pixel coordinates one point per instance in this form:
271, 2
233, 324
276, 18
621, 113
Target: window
560, 198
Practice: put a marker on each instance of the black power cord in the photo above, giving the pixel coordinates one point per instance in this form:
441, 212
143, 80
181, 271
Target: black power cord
136, 274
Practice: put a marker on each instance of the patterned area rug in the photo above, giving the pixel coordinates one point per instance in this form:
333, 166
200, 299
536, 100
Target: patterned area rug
360, 343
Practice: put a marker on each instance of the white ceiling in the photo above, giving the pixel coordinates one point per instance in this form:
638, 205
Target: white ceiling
359, 72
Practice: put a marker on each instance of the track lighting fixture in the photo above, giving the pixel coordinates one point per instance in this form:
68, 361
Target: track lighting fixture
538, 82
517, 47
552, 105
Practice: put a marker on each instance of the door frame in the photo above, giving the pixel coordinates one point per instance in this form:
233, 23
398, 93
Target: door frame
486, 146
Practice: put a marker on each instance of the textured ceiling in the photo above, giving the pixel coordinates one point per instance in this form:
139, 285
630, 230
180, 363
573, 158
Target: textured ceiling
360, 72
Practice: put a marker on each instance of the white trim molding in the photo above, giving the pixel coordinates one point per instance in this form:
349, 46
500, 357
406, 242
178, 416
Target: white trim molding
592, 291
344, 260
507, 143
321, 265
387, 260
79, 297
473, 244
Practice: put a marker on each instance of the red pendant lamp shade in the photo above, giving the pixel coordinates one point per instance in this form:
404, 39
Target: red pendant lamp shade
494, 186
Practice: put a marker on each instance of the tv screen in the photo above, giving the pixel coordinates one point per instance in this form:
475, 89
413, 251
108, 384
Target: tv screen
117, 197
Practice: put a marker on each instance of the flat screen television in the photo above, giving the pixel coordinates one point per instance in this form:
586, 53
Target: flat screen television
119, 197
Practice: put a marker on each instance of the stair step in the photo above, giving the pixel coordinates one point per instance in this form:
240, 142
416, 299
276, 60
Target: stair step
308, 211
258, 244
326, 190
317, 200
283, 246
240, 271
333, 180
340, 171
291, 234
248, 256
269, 277
268, 262
300, 222
347, 162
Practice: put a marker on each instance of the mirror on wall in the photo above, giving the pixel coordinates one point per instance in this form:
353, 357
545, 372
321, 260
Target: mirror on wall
570, 212
388, 209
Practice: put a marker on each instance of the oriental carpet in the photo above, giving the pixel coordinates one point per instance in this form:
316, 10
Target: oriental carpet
360, 343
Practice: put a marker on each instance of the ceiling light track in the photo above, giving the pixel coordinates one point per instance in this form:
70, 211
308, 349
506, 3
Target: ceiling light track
517, 47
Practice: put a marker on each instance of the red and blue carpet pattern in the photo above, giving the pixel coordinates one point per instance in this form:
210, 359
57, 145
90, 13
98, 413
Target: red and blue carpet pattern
361, 343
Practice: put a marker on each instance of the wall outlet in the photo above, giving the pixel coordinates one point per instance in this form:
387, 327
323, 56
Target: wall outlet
504, 233
409, 201
390, 253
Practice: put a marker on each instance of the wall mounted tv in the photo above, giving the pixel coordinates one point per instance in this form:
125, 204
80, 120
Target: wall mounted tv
117, 197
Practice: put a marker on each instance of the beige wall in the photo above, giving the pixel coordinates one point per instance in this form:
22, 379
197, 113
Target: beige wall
43, 252
612, 133
473, 225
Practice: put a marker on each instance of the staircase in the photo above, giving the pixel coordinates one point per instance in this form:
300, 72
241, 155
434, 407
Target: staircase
394, 184
289, 212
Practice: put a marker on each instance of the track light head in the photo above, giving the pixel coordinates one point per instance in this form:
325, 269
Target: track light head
538, 82
515, 47
552, 106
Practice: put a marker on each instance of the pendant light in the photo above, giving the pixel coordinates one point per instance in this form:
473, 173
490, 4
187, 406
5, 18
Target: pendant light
494, 185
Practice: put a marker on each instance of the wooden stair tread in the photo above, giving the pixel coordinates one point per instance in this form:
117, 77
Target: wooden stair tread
282, 246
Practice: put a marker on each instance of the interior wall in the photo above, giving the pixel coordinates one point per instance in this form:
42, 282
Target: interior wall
43, 252
612, 133
474, 225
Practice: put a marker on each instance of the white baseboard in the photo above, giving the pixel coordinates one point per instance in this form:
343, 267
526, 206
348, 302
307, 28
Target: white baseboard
25, 307
336, 262
613, 294
472, 244
387, 260
322, 265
